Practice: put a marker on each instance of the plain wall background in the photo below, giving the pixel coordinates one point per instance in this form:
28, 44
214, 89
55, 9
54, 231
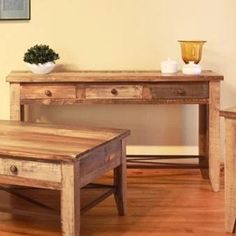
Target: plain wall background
126, 35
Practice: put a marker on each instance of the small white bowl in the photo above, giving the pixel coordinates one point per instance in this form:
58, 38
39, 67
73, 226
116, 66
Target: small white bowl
169, 66
41, 68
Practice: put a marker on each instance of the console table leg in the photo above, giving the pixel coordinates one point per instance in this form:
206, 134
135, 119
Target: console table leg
70, 200
15, 107
214, 135
230, 175
203, 141
120, 181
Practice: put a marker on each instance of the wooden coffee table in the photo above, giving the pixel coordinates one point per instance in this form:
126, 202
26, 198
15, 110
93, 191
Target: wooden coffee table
64, 158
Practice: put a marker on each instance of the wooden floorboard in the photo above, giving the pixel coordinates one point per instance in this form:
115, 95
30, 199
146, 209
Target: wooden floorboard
160, 203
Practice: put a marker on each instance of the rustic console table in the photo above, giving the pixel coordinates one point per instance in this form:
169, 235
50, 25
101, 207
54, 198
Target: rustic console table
130, 87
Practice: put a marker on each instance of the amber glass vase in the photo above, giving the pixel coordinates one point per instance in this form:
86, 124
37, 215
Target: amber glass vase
191, 50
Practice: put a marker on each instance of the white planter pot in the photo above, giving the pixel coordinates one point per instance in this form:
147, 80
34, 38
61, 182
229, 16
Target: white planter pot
41, 68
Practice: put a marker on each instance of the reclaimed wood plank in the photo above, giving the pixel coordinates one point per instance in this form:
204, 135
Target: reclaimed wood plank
109, 76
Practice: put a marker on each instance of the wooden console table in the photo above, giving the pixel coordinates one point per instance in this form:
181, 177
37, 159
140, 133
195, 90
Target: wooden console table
129, 87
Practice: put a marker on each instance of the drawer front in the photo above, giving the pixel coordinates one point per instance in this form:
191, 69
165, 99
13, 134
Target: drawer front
180, 90
30, 170
48, 91
113, 92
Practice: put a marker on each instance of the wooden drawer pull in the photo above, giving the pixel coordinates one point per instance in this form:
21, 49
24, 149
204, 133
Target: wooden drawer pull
48, 93
181, 92
114, 92
13, 169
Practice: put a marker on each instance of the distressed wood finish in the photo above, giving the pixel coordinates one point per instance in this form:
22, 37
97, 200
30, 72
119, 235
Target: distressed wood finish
214, 135
50, 142
109, 91
30, 169
48, 91
230, 169
114, 101
94, 164
230, 175
109, 76
15, 107
179, 90
70, 200
120, 182
63, 158
134, 87
203, 141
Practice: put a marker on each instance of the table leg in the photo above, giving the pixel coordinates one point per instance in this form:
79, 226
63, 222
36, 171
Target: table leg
120, 181
70, 200
15, 107
230, 175
214, 135
203, 141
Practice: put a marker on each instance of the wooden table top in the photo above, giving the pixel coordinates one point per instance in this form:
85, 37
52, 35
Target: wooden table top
229, 113
52, 141
109, 76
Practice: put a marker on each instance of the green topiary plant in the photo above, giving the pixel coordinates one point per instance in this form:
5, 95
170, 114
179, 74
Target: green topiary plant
40, 54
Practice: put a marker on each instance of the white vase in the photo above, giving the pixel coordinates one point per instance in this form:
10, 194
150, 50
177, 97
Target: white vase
41, 68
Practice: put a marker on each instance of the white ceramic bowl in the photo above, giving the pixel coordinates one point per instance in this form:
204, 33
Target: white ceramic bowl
41, 68
169, 66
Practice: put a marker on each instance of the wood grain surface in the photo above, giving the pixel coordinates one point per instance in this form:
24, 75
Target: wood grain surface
230, 169
214, 135
109, 76
229, 113
48, 141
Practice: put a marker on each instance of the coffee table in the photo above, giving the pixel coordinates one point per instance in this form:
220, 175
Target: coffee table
63, 158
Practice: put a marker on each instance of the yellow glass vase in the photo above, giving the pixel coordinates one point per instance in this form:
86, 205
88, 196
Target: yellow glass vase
191, 51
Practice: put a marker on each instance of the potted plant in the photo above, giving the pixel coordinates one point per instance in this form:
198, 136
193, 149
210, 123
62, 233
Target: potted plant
41, 59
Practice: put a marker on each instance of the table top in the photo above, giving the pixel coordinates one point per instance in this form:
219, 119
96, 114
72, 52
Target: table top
109, 76
229, 113
52, 141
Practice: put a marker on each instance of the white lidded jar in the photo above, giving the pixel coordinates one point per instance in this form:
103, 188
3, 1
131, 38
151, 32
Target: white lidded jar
169, 66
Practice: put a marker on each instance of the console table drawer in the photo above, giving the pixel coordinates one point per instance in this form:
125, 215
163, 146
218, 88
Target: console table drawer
30, 170
48, 91
113, 92
179, 90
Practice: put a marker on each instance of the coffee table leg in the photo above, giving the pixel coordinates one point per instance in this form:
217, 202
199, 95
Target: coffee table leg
120, 181
70, 200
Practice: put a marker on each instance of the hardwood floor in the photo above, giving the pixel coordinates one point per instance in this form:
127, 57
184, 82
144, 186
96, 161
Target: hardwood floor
160, 203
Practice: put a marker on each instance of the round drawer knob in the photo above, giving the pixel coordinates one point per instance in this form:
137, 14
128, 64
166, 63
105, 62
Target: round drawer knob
114, 92
181, 92
13, 170
48, 93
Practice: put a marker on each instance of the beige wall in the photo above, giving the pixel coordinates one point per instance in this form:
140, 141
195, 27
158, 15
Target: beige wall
126, 34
